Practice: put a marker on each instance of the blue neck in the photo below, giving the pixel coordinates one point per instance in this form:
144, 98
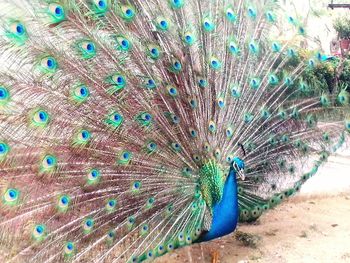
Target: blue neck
225, 213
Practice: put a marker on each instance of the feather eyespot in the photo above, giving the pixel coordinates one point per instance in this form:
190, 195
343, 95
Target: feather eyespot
176, 4
208, 25
151, 147
56, 12
63, 203
80, 93
4, 150
193, 133
86, 49
16, 32
88, 225
189, 38
100, 5
39, 232
18, 29
39, 118
114, 120
150, 83
270, 16
153, 51
111, 204
252, 12
48, 164
176, 147
276, 47
212, 127
172, 91
233, 48
48, 65
230, 15
215, 63
69, 249
127, 12
175, 66
93, 176
202, 82
125, 157
229, 132
162, 24
221, 102
170, 247
196, 158
123, 43
4, 95
11, 197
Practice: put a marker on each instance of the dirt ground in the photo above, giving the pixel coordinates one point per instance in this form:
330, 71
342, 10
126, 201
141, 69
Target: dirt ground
305, 229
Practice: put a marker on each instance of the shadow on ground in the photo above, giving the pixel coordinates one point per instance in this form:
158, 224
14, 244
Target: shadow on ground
311, 228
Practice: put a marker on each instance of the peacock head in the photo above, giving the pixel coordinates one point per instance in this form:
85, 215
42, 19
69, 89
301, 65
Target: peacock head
238, 166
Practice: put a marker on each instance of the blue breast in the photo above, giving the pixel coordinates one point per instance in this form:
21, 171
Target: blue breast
225, 213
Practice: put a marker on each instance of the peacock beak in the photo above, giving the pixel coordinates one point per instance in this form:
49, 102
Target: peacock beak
239, 171
241, 174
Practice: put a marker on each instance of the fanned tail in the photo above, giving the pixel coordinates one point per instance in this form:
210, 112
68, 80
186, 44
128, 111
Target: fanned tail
110, 109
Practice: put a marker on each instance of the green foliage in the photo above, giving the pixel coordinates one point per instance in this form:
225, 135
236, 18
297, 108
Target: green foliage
322, 77
345, 74
328, 75
342, 26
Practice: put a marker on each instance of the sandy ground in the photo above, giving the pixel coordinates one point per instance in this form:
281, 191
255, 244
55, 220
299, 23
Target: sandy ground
306, 228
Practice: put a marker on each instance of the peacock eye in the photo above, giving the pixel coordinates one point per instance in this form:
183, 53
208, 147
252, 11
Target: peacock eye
17, 32
252, 12
3, 93
50, 63
189, 39
101, 4
162, 24
176, 4
208, 25
202, 83
4, 150
56, 11
150, 83
221, 102
19, 29
175, 66
123, 43
83, 91
215, 63
153, 51
11, 196
89, 47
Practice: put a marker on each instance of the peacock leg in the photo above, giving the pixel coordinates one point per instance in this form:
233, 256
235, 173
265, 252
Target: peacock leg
215, 256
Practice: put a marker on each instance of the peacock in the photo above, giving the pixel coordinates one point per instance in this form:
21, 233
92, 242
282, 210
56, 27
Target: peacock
131, 128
